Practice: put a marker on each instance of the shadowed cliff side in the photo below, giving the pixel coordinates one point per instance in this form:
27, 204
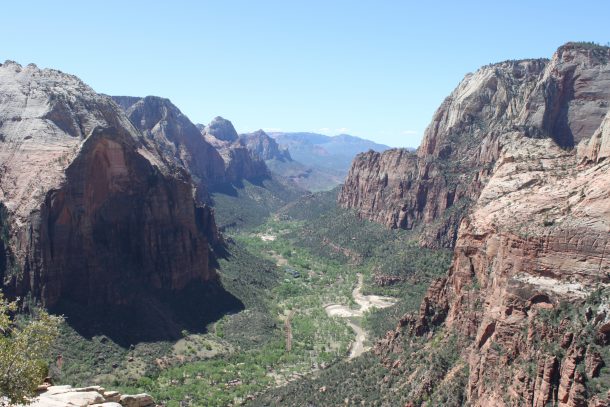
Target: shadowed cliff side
94, 217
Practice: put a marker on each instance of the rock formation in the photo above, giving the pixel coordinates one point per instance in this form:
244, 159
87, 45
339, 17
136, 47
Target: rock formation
264, 146
528, 291
239, 161
221, 129
177, 141
68, 396
90, 209
213, 155
564, 99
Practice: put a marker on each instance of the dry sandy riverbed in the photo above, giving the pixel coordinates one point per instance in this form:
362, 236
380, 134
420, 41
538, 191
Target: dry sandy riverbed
365, 302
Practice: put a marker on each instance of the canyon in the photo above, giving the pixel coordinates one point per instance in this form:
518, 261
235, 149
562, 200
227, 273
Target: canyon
153, 235
564, 99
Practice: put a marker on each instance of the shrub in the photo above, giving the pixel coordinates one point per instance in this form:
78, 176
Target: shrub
24, 347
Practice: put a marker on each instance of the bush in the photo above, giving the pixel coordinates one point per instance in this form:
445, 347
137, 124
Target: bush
24, 347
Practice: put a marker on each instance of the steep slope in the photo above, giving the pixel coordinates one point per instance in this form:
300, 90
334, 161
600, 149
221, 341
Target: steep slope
264, 146
221, 129
528, 291
177, 141
239, 162
91, 214
564, 99
212, 155
529, 287
522, 317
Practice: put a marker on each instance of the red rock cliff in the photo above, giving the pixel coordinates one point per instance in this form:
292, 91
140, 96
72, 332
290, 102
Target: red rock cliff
564, 99
528, 291
89, 210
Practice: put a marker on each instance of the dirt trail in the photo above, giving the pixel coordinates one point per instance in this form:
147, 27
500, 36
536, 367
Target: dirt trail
288, 331
365, 302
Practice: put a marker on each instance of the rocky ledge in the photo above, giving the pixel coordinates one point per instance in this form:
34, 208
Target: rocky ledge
68, 396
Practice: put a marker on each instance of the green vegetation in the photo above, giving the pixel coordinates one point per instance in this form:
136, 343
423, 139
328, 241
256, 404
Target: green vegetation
589, 45
285, 268
7, 264
422, 378
250, 203
576, 318
24, 346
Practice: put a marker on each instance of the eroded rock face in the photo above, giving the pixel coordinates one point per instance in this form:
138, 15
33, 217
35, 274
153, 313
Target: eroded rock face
537, 237
264, 147
239, 161
91, 211
221, 129
531, 253
177, 141
564, 99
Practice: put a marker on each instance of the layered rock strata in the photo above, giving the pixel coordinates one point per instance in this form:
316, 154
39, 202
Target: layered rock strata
90, 210
528, 291
563, 99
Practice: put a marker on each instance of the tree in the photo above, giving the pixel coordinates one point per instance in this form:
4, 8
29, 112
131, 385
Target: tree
24, 349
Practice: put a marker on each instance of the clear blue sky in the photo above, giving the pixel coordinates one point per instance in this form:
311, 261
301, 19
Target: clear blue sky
376, 69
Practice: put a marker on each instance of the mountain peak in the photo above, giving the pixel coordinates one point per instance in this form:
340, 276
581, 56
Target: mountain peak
264, 146
222, 129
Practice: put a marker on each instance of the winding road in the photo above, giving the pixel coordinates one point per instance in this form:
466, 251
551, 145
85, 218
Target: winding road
365, 302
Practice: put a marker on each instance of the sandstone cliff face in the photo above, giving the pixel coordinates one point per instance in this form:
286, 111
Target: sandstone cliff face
537, 238
528, 291
564, 99
89, 211
221, 129
239, 161
264, 147
178, 142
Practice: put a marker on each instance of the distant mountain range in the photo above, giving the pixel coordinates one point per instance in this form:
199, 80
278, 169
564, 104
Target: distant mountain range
314, 161
319, 150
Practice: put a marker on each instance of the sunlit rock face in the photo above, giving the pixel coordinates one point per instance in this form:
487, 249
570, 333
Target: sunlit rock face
240, 161
264, 147
90, 209
526, 143
563, 99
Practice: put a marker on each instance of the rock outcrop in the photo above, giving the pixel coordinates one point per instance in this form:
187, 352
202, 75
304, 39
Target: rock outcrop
536, 240
177, 141
68, 396
220, 129
239, 161
528, 291
264, 147
90, 210
212, 155
563, 99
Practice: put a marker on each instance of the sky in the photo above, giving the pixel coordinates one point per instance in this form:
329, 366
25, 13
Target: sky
373, 69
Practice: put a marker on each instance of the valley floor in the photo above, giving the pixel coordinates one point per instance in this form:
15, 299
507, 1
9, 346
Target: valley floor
310, 302
365, 303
